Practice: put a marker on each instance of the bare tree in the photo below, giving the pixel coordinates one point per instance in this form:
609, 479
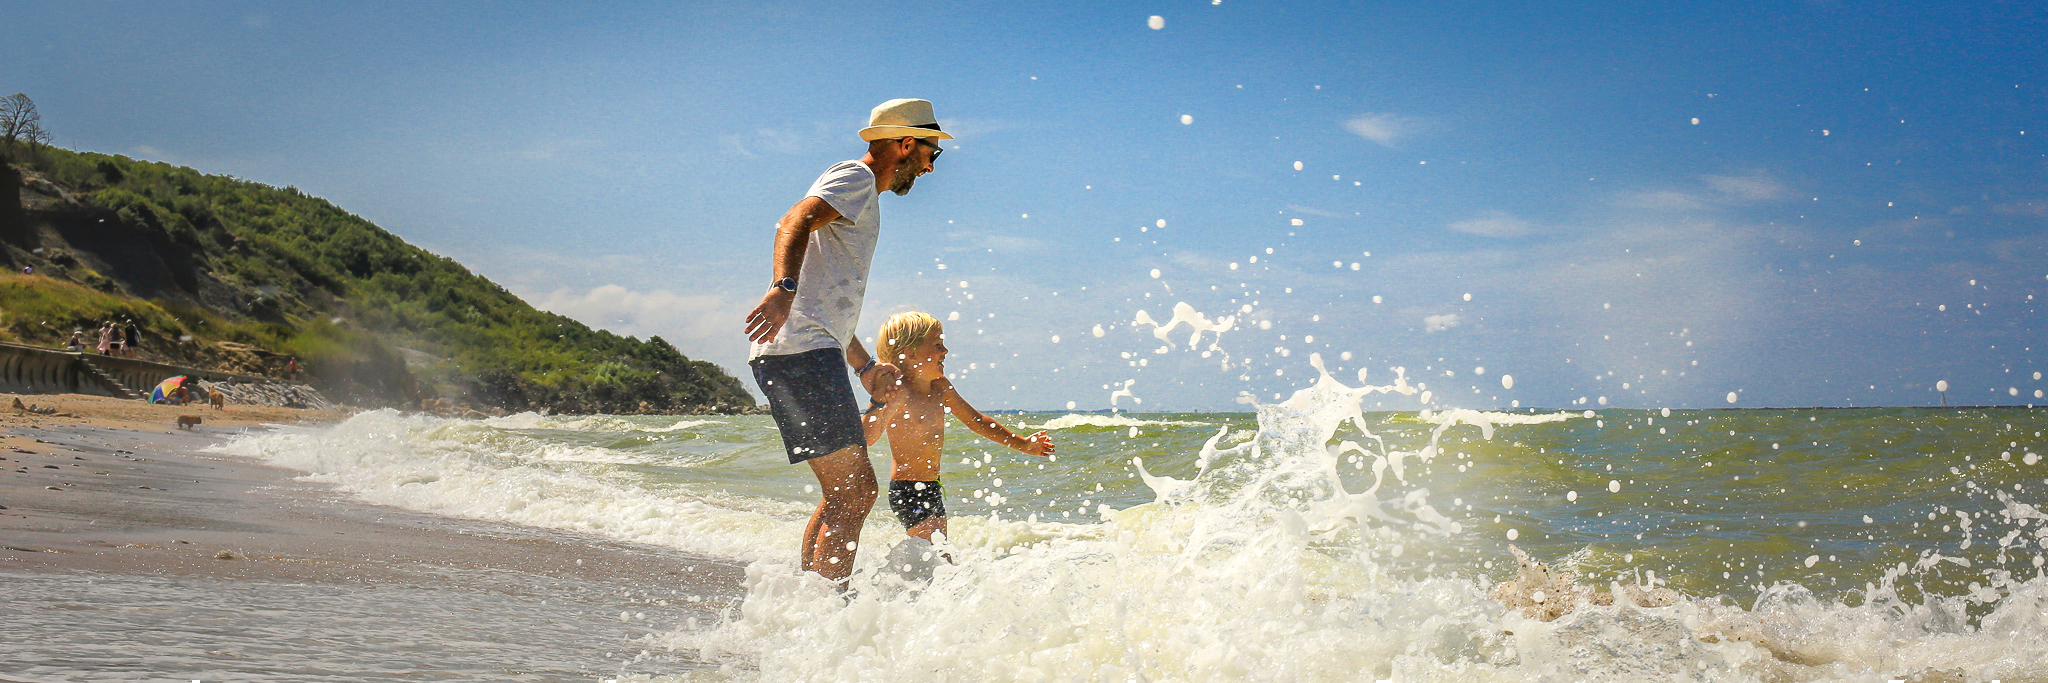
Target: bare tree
36, 136
19, 120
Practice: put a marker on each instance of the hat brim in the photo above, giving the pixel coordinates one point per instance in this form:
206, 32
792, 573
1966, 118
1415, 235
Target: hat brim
873, 133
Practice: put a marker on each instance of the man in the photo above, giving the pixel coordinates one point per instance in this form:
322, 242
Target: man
802, 332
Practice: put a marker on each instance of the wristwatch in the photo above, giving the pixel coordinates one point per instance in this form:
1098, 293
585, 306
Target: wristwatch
786, 284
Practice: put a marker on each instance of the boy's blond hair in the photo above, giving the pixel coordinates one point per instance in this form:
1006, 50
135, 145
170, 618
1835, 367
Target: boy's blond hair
903, 332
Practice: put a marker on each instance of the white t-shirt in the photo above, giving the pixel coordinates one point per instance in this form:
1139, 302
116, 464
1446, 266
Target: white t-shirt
834, 277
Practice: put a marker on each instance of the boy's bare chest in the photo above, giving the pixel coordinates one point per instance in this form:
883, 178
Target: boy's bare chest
923, 416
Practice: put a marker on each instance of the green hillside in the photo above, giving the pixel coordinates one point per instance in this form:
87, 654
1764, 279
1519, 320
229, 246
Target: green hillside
235, 274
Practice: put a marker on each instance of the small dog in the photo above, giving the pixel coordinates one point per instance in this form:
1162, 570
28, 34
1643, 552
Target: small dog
219, 400
188, 421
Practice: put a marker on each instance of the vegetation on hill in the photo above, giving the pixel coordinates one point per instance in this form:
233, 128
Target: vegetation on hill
240, 275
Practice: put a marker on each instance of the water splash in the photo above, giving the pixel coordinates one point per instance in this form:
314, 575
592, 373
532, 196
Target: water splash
1184, 314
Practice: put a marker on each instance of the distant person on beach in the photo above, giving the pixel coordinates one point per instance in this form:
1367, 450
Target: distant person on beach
176, 397
291, 368
915, 421
106, 347
802, 332
134, 346
77, 342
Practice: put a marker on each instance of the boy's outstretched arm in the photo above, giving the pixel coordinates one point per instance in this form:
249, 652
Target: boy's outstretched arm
1036, 444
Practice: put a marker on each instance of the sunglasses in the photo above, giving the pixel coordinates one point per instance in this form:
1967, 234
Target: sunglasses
936, 150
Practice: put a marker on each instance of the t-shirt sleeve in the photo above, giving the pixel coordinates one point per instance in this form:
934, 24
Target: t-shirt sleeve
849, 187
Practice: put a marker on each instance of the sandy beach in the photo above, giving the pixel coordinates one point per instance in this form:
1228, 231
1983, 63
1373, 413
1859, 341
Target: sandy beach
131, 554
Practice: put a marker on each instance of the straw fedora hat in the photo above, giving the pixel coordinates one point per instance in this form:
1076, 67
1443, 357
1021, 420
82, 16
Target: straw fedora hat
901, 118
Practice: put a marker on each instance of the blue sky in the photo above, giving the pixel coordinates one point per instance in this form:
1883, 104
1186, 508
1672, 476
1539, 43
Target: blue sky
1804, 204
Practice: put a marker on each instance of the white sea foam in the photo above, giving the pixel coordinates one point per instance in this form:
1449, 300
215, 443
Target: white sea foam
1261, 566
480, 471
1264, 566
1073, 420
1495, 418
589, 423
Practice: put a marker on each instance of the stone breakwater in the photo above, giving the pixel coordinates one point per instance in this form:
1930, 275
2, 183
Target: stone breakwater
36, 370
270, 394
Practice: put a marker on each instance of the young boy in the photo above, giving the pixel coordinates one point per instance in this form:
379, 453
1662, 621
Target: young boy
915, 420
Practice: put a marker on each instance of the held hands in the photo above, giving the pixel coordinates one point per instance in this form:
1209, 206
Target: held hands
1037, 444
883, 381
767, 319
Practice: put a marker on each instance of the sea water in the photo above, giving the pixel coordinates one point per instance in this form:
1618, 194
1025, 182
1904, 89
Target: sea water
1307, 539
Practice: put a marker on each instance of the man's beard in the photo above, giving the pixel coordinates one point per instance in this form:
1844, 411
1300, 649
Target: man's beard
906, 176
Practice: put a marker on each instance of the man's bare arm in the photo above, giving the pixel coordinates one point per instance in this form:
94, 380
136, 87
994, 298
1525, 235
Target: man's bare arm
792, 235
881, 380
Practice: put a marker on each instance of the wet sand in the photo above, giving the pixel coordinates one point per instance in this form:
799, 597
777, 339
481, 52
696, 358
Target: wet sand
132, 555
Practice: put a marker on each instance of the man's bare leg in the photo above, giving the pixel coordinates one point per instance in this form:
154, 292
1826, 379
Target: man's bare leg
847, 479
809, 548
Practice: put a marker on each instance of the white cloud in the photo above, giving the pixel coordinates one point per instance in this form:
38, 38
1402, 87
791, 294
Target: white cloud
1494, 224
970, 129
1665, 200
2036, 209
1313, 211
1748, 188
703, 326
775, 140
1439, 323
1383, 129
1714, 191
982, 240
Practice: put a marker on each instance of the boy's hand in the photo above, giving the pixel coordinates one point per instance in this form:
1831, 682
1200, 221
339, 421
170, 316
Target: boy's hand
1037, 444
882, 381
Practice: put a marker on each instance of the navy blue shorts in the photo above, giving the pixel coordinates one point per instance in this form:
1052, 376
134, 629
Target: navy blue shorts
812, 401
